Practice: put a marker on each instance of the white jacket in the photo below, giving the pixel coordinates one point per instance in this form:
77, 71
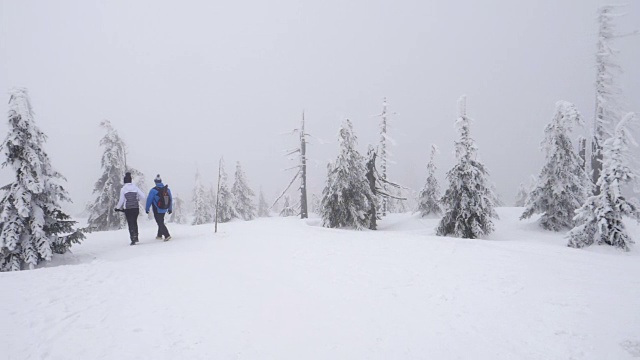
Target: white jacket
130, 196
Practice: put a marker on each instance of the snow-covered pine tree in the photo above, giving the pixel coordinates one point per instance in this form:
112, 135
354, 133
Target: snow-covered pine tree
263, 207
562, 184
225, 201
107, 188
607, 92
600, 219
469, 199
177, 214
242, 195
429, 198
521, 196
33, 225
345, 197
202, 213
287, 208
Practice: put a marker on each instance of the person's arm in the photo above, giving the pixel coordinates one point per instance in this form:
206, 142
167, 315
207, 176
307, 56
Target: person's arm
121, 201
170, 201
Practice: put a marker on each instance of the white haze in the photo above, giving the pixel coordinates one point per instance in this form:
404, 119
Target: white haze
187, 82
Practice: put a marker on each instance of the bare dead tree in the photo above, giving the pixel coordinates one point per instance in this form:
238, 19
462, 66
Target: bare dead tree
607, 109
383, 150
378, 187
302, 170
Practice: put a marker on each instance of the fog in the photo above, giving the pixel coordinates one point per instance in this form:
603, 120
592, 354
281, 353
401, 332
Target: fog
187, 82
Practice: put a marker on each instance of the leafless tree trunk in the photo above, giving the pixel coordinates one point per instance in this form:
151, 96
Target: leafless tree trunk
303, 172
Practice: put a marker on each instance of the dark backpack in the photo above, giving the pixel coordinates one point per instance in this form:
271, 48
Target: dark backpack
164, 199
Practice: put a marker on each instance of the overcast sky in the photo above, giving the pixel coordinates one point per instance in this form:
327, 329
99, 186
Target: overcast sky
185, 82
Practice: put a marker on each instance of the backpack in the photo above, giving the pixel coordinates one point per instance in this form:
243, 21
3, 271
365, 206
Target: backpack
164, 199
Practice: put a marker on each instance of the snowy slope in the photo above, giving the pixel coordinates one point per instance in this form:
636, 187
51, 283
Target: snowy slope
284, 288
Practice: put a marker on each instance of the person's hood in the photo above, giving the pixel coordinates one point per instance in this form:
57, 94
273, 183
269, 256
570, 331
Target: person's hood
130, 186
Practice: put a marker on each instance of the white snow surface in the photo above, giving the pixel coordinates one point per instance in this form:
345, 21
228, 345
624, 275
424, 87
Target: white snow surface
285, 288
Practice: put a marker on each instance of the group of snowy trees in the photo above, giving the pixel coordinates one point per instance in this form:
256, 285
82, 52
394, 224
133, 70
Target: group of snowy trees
33, 225
593, 207
227, 204
564, 193
351, 197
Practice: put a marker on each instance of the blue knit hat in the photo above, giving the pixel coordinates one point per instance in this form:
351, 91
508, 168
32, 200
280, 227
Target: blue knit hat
157, 180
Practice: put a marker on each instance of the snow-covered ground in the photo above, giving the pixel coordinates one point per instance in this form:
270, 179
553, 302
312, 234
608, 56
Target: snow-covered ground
284, 288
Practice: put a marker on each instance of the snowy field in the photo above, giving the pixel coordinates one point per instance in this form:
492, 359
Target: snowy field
284, 288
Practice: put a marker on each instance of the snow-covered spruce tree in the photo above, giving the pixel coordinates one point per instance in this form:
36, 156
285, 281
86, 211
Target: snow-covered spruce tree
202, 213
107, 188
607, 92
225, 201
562, 185
177, 213
263, 207
469, 199
287, 208
521, 196
429, 198
345, 197
242, 195
600, 219
33, 225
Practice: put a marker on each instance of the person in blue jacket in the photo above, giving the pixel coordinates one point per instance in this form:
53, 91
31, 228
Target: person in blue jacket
161, 200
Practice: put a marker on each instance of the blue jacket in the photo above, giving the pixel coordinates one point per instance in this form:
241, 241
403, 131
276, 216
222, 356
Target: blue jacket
153, 198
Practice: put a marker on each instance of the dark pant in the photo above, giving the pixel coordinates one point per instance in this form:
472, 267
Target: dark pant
162, 228
132, 221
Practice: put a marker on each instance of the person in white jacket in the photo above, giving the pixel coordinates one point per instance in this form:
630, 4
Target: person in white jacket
130, 197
